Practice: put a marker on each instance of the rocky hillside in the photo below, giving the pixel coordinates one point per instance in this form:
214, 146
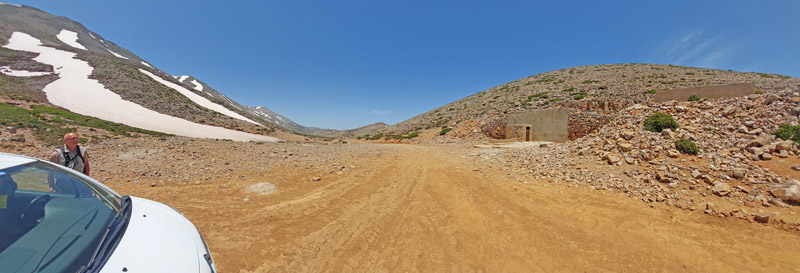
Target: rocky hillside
594, 88
741, 169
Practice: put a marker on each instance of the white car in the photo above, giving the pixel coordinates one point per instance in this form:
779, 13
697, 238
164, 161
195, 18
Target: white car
54, 219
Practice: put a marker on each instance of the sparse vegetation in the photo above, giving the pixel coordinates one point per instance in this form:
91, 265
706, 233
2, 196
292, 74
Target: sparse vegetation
686, 146
788, 132
660, 121
694, 97
765, 75
651, 91
445, 130
578, 95
50, 124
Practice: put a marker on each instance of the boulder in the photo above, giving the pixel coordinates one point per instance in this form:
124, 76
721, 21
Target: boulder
707, 179
783, 146
696, 173
759, 141
762, 199
766, 156
761, 218
625, 147
627, 135
789, 192
739, 173
629, 160
771, 98
770, 148
672, 153
728, 111
613, 159
742, 129
722, 189
778, 203
755, 150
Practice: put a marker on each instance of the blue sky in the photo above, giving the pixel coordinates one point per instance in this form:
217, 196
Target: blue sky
345, 64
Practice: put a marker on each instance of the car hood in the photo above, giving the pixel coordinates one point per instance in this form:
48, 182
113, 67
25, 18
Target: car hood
157, 239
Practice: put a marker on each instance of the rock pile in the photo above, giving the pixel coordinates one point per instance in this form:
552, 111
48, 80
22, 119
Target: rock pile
732, 135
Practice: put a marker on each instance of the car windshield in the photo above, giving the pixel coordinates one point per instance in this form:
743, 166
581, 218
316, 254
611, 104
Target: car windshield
51, 219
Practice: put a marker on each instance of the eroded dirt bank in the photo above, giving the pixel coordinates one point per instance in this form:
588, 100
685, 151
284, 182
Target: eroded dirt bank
414, 208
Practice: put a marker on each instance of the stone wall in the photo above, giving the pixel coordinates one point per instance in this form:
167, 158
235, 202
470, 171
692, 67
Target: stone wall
582, 123
708, 92
495, 128
546, 124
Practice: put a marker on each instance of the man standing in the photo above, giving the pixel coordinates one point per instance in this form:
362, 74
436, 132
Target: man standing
71, 154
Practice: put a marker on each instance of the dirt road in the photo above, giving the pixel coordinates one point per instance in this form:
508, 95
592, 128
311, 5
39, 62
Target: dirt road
410, 208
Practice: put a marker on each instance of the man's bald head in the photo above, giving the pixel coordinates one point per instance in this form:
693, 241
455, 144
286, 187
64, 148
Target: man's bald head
71, 140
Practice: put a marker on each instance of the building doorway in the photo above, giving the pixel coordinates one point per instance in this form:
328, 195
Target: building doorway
528, 133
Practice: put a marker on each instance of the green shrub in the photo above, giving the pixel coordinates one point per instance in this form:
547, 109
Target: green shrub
686, 146
577, 97
759, 92
694, 97
445, 130
651, 91
569, 89
660, 121
787, 132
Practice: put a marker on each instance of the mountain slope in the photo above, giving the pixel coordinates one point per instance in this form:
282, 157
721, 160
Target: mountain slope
592, 88
54, 58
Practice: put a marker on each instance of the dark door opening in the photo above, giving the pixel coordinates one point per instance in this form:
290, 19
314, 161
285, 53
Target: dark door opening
527, 133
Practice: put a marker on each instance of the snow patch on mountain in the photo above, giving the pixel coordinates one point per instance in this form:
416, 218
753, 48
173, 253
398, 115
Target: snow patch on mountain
147, 64
115, 54
70, 38
4, 3
6, 70
197, 85
76, 92
197, 98
182, 78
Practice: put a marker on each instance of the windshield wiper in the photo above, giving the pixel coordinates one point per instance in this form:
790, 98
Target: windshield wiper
111, 236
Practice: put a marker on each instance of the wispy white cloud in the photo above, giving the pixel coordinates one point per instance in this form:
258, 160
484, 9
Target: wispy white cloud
698, 48
683, 42
375, 112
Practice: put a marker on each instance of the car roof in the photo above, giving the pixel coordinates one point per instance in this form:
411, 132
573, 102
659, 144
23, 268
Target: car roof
11, 160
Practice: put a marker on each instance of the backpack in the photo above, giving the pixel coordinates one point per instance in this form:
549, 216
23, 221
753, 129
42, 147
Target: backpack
68, 159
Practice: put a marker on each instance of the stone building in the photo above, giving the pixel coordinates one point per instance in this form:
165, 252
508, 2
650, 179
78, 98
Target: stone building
538, 125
